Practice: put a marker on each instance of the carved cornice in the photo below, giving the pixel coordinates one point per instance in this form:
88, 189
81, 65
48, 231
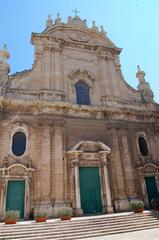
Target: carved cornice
129, 112
36, 38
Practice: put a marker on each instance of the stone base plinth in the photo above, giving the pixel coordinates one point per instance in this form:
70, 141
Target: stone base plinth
78, 212
122, 205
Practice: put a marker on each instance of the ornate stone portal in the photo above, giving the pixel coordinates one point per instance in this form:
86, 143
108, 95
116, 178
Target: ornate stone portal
84, 154
16, 172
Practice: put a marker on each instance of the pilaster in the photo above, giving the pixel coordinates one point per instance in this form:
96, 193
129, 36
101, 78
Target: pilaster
117, 173
103, 158
58, 164
127, 165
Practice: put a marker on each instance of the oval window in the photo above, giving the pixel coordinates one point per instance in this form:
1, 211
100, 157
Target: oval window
143, 146
19, 143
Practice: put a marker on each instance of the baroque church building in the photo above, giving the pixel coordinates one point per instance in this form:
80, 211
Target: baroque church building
73, 132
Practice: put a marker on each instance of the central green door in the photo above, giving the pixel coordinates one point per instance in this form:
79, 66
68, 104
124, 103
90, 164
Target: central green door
90, 190
151, 188
15, 196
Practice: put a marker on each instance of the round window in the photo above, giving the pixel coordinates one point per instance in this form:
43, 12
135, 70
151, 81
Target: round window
19, 143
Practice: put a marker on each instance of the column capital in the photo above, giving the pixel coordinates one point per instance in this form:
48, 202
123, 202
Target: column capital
75, 162
104, 157
73, 154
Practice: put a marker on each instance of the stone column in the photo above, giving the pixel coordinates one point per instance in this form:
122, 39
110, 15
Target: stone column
143, 187
103, 156
3, 195
75, 164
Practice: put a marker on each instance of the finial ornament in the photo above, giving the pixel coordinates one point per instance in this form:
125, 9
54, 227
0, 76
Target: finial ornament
49, 21
5, 46
144, 87
58, 19
140, 75
102, 30
138, 68
94, 25
4, 54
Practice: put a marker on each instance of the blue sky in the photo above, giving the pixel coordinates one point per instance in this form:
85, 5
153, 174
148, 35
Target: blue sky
131, 24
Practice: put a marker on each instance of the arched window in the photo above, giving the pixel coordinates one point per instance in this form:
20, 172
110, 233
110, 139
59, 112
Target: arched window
82, 93
19, 143
143, 146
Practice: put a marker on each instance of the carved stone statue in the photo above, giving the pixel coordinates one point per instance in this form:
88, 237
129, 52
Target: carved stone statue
144, 87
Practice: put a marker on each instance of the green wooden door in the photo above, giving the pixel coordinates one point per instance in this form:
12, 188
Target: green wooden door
90, 190
151, 188
15, 196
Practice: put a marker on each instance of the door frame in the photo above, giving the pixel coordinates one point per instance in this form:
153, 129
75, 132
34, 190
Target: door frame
26, 203
14, 180
147, 189
144, 172
89, 154
16, 172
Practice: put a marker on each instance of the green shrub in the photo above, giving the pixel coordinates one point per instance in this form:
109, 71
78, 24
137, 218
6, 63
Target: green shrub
137, 204
155, 202
66, 211
40, 213
11, 215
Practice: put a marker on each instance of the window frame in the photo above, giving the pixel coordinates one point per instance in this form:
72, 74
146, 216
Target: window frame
85, 93
142, 134
145, 145
15, 130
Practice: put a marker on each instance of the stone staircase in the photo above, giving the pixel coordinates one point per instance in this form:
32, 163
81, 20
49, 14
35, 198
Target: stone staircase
80, 228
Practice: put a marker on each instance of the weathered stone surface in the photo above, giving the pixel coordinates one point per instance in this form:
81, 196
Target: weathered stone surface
63, 136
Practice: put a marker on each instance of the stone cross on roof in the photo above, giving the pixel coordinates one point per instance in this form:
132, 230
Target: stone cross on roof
76, 12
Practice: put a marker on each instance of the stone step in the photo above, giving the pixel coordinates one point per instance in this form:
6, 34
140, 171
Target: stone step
103, 219
80, 228
77, 235
46, 226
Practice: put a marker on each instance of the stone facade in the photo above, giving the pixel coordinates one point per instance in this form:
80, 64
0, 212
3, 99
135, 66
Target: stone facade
63, 136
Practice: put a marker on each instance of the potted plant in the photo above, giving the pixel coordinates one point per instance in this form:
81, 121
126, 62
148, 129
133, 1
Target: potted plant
11, 216
40, 215
155, 203
65, 213
137, 206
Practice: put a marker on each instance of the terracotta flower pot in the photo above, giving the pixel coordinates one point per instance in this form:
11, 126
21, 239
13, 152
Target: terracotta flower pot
41, 219
138, 210
65, 217
10, 221
156, 209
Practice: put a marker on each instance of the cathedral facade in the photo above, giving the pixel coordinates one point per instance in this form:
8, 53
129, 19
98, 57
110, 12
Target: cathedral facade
73, 132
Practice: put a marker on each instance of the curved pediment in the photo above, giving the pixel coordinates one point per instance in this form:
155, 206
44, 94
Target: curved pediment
91, 146
85, 36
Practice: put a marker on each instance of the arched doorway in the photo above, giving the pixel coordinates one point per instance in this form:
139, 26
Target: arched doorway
90, 191
15, 188
150, 182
